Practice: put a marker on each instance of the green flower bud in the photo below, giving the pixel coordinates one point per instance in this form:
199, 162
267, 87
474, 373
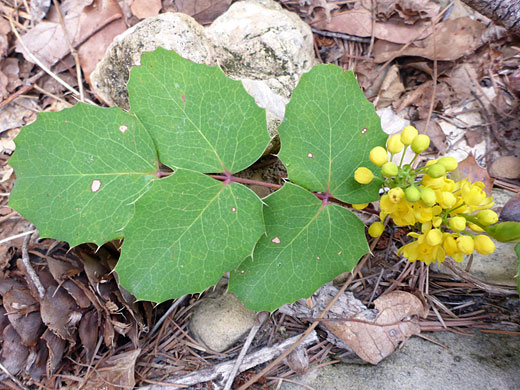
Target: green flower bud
412, 194
394, 144
457, 224
505, 231
376, 229
420, 143
378, 155
428, 197
487, 217
389, 169
436, 171
408, 134
449, 163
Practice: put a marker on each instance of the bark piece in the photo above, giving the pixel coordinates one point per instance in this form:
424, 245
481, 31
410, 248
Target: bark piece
505, 12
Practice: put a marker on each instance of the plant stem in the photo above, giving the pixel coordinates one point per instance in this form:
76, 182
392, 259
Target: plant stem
235, 179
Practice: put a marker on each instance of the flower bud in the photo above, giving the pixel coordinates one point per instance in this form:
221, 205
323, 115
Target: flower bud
465, 244
450, 246
434, 237
457, 224
505, 231
359, 206
484, 245
420, 143
389, 169
487, 217
408, 134
449, 163
428, 197
475, 228
436, 171
378, 155
376, 229
396, 195
363, 175
447, 200
394, 144
412, 194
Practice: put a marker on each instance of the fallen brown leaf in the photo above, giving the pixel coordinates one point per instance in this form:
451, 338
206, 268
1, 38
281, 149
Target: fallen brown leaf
82, 19
374, 339
5, 28
468, 168
14, 353
115, 373
358, 22
391, 88
454, 38
203, 11
55, 347
146, 8
60, 313
506, 167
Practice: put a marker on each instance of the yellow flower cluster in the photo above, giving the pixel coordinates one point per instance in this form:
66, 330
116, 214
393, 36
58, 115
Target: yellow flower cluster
449, 213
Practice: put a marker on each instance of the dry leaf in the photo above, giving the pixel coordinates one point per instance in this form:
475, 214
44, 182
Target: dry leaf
60, 313
374, 339
14, 353
506, 167
55, 347
114, 374
358, 22
5, 28
453, 39
39, 9
203, 11
82, 19
93, 50
17, 114
146, 8
88, 332
435, 133
391, 88
469, 169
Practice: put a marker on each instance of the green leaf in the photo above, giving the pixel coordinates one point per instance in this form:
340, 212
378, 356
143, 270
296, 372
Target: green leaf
199, 118
328, 132
517, 250
79, 172
308, 243
188, 230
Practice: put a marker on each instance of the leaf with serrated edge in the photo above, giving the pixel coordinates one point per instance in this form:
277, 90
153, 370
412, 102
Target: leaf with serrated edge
327, 133
79, 172
187, 231
200, 119
308, 243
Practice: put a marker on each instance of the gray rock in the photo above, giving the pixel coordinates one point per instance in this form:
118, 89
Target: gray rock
483, 362
220, 322
172, 31
255, 41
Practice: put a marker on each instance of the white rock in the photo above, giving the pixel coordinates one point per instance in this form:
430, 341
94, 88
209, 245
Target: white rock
258, 40
172, 31
220, 322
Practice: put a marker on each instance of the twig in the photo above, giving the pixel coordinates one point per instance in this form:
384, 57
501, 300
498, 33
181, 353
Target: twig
477, 282
260, 319
348, 37
10, 376
23, 89
175, 304
16, 236
251, 360
434, 78
32, 276
73, 51
40, 64
372, 29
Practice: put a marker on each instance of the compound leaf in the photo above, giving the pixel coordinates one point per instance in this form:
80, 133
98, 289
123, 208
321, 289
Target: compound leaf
200, 119
187, 231
79, 172
307, 243
328, 132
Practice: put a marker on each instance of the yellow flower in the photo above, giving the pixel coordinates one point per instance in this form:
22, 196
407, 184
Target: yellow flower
420, 143
396, 194
408, 134
428, 197
401, 213
434, 237
421, 250
451, 248
359, 206
394, 144
363, 175
412, 194
484, 244
389, 169
449, 163
465, 244
474, 196
436, 171
446, 199
433, 183
376, 229
457, 224
422, 213
475, 228
487, 217
378, 155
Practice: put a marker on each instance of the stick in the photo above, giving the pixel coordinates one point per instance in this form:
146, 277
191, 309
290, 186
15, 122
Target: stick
16, 236
174, 305
31, 275
251, 360
260, 319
